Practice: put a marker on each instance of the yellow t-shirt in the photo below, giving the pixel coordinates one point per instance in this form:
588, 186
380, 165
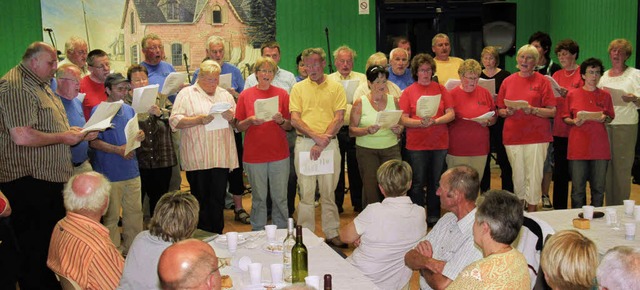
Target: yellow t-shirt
498, 271
446, 70
317, 103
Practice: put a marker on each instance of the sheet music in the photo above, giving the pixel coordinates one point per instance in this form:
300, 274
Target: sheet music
452, 84
81, 96
266, 108
225, 81
554, 86
489, 84
173, 83
131, 132
220, 107
324, 164
217, 123
144, 98
519, 104
427, 106
386, 119
101, 118
484, 117
350, 87
616, 96
587, 115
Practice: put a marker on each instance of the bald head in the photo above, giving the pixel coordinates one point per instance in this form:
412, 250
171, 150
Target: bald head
87, 192
189, 264
41, 59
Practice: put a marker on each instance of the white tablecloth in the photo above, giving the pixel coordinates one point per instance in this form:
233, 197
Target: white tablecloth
603, 235
322, 260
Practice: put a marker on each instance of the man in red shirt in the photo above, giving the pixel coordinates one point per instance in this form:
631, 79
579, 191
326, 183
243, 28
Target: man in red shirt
93, 84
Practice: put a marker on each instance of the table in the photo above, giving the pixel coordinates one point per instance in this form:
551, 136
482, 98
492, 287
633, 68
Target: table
322, 260
600, 233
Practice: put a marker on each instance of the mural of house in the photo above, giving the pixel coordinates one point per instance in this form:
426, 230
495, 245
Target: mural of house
184, 26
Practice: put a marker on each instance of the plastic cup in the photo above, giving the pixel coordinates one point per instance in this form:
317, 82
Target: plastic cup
630, 231
242, 263
587, 211
612, 217
629, 206
313, 281
232, 241
636, 213
271, 233
276, 273
255, 272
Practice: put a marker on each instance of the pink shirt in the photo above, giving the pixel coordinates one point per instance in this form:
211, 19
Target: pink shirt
434, 137
466, 137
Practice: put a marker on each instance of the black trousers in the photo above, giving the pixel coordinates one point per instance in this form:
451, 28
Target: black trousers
236, 177
348, 147
209, 186
37, 206
154, 183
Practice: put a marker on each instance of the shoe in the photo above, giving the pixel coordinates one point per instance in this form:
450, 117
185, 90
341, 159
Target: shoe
336, 242
546, 203
243, 217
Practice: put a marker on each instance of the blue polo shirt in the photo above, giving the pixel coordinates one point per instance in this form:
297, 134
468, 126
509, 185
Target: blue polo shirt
158, 73
114, 166
79, 152
402, 81
237, 82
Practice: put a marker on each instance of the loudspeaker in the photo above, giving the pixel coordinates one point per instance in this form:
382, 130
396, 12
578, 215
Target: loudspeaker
499, 25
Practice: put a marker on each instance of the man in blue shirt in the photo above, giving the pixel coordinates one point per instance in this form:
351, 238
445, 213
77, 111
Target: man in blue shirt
68, 78
215, 52
399, 72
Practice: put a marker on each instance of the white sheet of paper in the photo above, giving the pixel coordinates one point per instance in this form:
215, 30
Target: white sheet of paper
452, 84
173, 83
144, 98
519, 104
489, 84
554, 86
616, 96
427, 106
266, 108
484, 117
386, 119
324, 164
350, 87
81, 96
218, 123
220, 107
225, 81
131, 132
101, 118
587, 115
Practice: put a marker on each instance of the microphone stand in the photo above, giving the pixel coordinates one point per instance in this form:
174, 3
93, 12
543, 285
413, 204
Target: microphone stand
326, 32
186, 64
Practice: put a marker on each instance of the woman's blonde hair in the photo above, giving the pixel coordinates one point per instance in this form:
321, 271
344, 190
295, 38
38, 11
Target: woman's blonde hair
469, 66
377, 58
623, 44
530, 50
209, 67
394, 177
490, 50
175, 217
569, 261
265, 60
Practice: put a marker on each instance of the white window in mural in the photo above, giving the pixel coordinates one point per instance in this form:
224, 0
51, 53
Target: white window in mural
176, 54
134, 54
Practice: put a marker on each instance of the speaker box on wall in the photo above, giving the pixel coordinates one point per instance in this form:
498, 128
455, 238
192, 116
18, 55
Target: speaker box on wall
499, 25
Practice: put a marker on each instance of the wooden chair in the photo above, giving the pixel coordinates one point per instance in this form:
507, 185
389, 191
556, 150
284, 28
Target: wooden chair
67, 284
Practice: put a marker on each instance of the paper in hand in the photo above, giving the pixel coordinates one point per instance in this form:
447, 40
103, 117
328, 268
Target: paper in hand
518, 104
81, 96
452, 84
616, 96
482, 118
217, 123
587, 115
386, 119
225, 81
220, 107
144, 98
489, 84
101, 117
554, 86
323, 165
266, 108
173, 83
131, 132
427, 106
350, 87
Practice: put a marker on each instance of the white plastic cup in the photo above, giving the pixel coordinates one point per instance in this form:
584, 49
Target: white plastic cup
629, 206
636, 213
612, 217
276, 273
313, 281
232, 241
255, 272
271, 233
587, 211
242, 263
630, 231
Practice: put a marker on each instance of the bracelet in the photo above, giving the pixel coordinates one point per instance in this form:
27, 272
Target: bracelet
280, 124
535, 111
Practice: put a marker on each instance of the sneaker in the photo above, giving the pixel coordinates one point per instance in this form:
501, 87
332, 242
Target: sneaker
546, 203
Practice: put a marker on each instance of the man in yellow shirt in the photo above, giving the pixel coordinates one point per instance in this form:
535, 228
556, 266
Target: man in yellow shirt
446, 66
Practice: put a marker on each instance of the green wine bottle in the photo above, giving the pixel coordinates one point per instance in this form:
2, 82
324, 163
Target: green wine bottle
299, 261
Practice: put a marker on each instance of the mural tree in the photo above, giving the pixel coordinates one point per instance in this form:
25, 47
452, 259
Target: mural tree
261, 24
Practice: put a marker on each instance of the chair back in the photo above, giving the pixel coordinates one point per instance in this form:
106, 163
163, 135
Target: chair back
67, 284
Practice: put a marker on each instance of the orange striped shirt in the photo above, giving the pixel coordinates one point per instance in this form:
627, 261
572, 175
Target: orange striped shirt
81, 250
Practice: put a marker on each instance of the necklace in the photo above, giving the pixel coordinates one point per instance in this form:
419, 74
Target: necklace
572, 72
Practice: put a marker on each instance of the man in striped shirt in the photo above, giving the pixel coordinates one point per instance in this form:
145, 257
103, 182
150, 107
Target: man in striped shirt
35, 161
80, 248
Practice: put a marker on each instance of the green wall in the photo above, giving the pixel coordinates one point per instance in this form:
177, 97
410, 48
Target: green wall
21, 25
301, 24
591, 23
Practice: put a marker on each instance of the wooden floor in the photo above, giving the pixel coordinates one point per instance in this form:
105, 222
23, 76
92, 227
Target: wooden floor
348, 215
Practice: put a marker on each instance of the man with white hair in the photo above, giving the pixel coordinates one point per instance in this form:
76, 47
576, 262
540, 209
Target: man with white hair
80, 248
446, 66
76, 50
215, 51
399, 72
619, 269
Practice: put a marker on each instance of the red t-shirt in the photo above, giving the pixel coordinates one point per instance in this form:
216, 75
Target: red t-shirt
466, 137
521, 128
589, 141
266, 142
570, 81
434, 137
95, 95
3, 205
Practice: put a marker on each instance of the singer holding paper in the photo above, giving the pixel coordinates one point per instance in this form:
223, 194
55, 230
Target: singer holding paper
156, 156
475, 112
527, 129
266, 150
374, 144
588, 146
623, 130
207, 146
427, 133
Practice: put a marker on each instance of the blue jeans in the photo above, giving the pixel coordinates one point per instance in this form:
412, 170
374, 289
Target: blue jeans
595, 172
268, 177
427, 167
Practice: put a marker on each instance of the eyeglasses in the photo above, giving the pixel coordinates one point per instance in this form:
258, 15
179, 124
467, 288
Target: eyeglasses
594, 72
104, 66
154, 47
79, 51
425, 70
266, 71
473, 79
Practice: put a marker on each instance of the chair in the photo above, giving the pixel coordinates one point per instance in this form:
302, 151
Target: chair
67, 284
530, 243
